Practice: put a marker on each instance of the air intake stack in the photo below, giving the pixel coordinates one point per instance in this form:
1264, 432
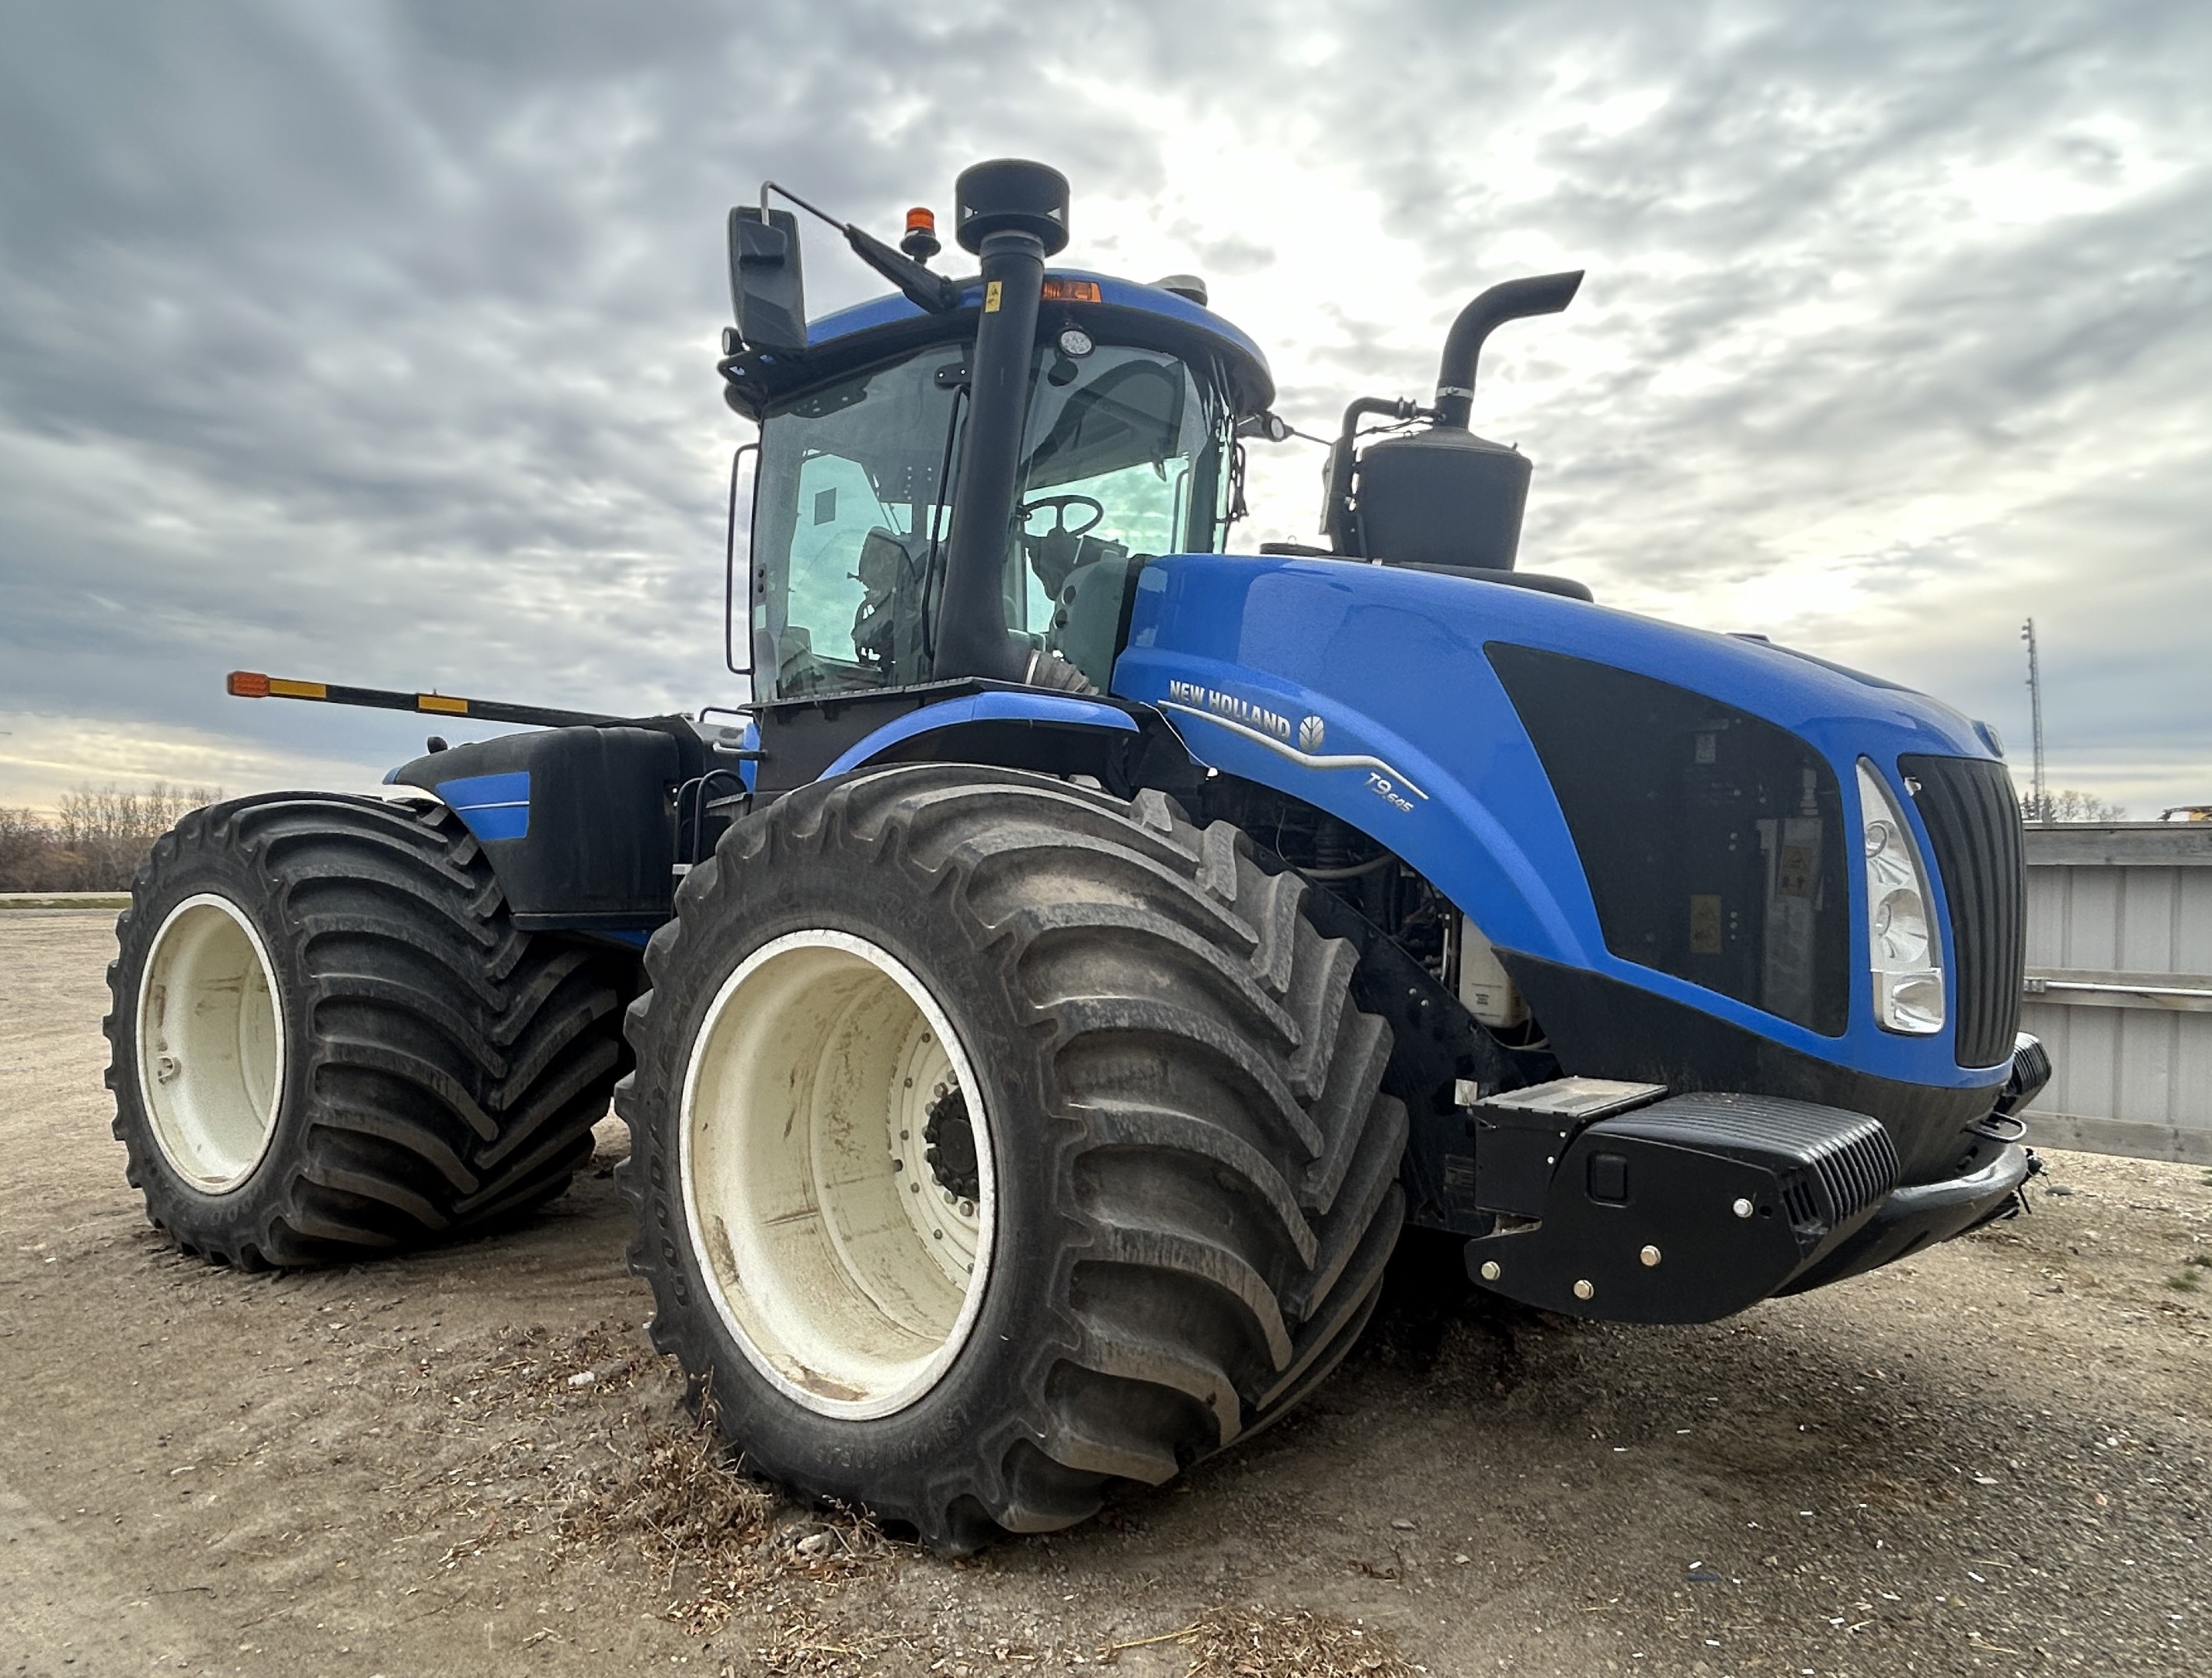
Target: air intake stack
1442, 495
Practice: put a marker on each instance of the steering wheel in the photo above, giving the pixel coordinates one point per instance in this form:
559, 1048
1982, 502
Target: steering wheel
1053, 555
1057, 506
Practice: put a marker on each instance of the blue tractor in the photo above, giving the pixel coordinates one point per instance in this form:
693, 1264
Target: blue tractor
1048, 1001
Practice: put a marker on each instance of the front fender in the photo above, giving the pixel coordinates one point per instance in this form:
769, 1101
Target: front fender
941, 730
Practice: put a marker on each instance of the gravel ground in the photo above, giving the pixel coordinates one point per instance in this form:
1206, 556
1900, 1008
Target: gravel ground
1990, 1459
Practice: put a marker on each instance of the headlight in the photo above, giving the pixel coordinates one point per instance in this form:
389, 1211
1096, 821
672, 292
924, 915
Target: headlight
1901, 948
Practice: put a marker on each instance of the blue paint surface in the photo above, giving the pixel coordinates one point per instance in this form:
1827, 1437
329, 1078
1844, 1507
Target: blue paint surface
1376, 703
491, 806
1027, 706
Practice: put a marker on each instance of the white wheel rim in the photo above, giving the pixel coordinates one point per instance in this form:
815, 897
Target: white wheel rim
210, 1043
846, 1273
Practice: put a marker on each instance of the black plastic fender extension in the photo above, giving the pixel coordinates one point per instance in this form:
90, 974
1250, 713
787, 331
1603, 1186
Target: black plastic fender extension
580, 826
1690, 1208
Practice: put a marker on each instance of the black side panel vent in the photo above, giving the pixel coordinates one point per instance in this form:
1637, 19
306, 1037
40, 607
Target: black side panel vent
1974, 820
1712, 840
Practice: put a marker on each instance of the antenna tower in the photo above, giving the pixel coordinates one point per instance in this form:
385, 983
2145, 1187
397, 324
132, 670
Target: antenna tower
2038, 802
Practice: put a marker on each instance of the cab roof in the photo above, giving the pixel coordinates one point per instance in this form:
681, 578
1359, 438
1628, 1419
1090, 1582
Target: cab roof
884, 327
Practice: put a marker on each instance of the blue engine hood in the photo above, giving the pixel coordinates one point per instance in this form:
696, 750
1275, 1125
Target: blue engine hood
1364, 690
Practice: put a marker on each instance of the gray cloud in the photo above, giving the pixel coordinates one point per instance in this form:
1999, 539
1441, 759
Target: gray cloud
376, 343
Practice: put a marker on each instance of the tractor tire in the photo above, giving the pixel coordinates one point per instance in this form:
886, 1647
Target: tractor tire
998, 1143
328, 1041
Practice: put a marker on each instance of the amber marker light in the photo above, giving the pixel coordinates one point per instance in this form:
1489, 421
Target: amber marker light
921, 240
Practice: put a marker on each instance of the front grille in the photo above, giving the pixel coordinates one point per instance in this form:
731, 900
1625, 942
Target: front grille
1974, 821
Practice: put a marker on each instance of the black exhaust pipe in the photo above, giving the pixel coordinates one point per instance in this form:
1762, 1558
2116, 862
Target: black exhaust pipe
1440, 497
1512, 300
1013, 215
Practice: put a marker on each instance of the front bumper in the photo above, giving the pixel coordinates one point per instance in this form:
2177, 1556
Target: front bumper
1692, 1207
1912, 1219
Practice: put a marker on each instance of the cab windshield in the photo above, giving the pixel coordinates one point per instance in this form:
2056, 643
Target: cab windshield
1122, 459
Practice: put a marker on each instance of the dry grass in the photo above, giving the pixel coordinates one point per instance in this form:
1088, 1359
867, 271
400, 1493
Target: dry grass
1253, 1641
583, 1438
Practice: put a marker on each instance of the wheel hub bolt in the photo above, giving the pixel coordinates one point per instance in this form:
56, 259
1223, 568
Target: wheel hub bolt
967, 1209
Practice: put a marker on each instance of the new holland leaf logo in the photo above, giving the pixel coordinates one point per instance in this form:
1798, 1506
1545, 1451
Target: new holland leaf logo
1311, 732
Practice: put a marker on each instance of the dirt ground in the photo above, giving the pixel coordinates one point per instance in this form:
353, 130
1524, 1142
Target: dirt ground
1990, 1459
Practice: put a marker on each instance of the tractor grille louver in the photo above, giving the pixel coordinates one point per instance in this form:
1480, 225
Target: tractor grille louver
1973, 820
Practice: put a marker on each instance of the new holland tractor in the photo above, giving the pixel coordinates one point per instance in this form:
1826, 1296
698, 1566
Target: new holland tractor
1049, 999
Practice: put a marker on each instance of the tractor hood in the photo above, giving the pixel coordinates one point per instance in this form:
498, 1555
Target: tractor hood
1598, 792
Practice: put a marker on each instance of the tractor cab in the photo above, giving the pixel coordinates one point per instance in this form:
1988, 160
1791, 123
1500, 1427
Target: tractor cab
958, 482
1125, 453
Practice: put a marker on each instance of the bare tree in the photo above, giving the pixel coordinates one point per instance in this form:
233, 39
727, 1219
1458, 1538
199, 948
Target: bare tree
26, 850
2070, 805
97, 839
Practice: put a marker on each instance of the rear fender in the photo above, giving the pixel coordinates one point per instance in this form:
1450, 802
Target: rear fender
578, 824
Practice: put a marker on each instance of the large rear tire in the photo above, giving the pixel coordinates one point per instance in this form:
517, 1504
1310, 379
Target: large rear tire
327, 1039
998, 1141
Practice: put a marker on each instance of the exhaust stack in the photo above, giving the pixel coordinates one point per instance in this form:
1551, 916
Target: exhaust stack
1511, 299
1441, 497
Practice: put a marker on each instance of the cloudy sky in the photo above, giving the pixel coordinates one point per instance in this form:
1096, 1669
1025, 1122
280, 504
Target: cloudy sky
374, 342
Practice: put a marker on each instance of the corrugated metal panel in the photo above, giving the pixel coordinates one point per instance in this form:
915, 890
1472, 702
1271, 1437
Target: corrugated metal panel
2120, 962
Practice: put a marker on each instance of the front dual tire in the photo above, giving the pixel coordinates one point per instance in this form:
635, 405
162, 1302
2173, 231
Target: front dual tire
933, 1018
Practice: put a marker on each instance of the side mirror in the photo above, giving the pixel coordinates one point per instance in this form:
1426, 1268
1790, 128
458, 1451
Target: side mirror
768, 292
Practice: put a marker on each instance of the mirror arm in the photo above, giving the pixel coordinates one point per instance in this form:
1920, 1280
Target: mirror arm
925, 290
931, 292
